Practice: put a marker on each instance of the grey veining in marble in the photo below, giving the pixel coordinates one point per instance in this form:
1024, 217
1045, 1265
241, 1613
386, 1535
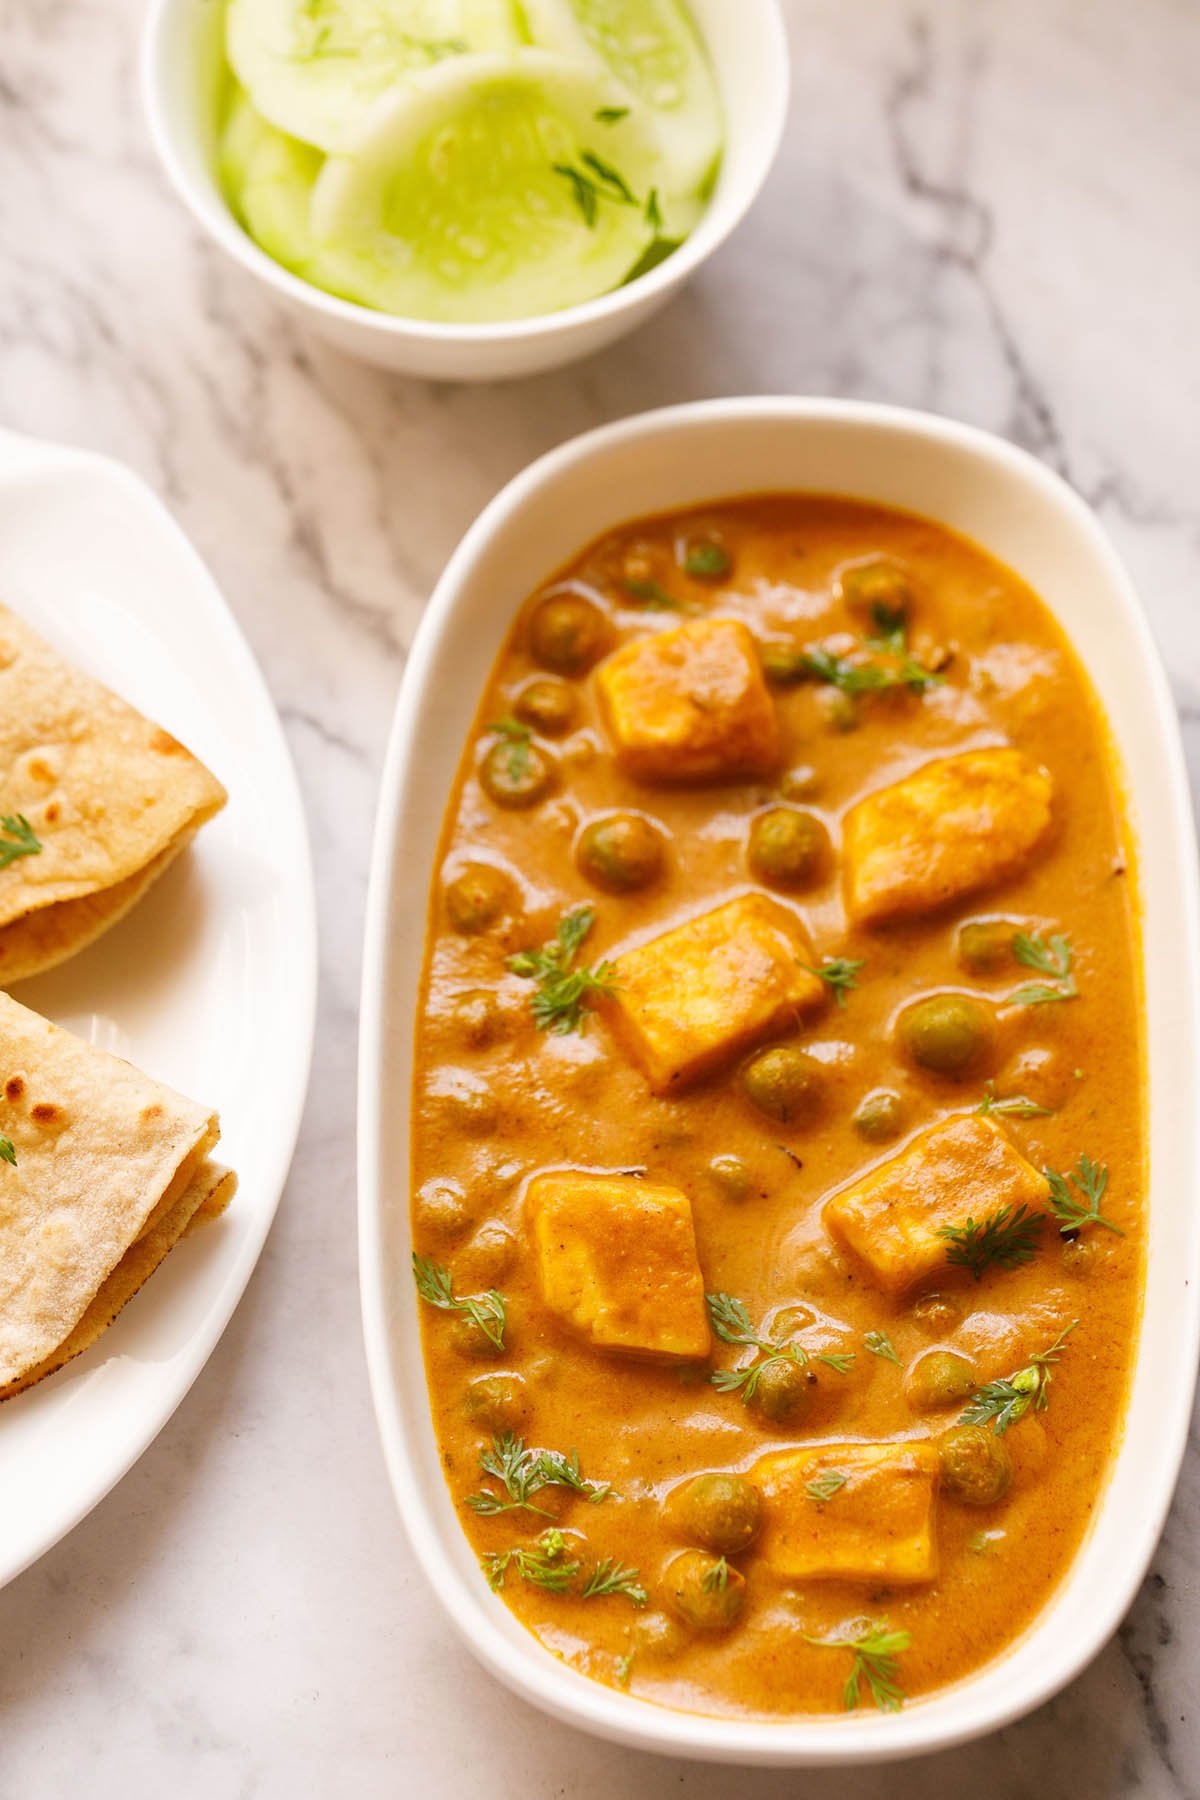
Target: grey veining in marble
986, 207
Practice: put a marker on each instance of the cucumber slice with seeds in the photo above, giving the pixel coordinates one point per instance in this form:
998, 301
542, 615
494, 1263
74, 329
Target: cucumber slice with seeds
655, 51
313, 68
486, 190
269, 179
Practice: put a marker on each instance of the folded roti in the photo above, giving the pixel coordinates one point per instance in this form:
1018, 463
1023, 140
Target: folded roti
111, 1169
111, 797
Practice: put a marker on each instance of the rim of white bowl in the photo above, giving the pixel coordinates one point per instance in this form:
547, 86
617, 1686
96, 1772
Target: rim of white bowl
538, 1679
725, 211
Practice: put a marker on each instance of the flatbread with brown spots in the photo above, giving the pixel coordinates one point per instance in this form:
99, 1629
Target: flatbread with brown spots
111, 1169
110, 797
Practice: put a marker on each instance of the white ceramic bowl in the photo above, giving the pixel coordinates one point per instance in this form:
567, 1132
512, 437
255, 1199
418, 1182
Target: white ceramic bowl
181, 56
1025, 515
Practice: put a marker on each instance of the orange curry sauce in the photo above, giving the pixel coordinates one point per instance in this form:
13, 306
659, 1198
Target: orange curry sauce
497, 1100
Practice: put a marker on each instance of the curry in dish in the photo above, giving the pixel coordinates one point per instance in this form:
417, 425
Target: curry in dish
779, 1150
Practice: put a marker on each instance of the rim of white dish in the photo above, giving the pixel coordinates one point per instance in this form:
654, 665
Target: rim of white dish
724, 212
563, 1693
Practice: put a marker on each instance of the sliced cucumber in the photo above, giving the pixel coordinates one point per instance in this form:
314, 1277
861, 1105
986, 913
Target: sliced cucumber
654, 50
485, 189
313, 68
269, 181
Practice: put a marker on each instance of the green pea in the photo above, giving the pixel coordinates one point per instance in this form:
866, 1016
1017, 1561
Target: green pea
478, 1017
658, 1636
881, 590
985, 945
469, 1341
497, 1403
783, 661
707, 1594
705, 558
477, 897
800, 783
976, 1467
841, 710
936, 1314
783, 1392
621, 852
939, 1378
547, 705
949, 1034
1079, 1254
788, 848
443, 1209
785, 1084
568, 634
722, 1512
732, 1176
879, 1117
516, 774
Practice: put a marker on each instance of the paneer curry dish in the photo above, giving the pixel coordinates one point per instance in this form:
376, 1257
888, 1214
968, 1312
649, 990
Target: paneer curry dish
779, 1142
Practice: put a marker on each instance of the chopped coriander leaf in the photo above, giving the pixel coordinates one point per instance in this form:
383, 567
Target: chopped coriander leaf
609, 115
1008, 1238
706, 560
516, 739
716, 1579
624, 1668
583, 191
1011, 1106
839, 973
731, 1322
880, 1344
874, 1648
616, 184
522, 1472
868, 677
546, 1567
889, 629
745, 1381
1091, 1179
613, 1577
559, 1003
7, 1153
654, 216
1054, 959
657, 251
653, 594
1002, 1403
17, 839
597, 180
826, 1485
485, 1311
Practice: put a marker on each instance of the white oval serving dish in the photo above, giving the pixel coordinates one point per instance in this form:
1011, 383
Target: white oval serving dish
1020, 512
209, 984
181, 58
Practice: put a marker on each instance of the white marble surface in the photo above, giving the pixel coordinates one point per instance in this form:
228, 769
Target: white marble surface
987, 207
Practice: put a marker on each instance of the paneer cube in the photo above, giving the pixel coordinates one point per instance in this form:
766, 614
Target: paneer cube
876, 1525
690, 1000
690, 705
953, 827
891, 1218
616, 1258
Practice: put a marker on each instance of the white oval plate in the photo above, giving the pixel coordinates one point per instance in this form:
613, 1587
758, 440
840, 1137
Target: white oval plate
209, 985
1023, 514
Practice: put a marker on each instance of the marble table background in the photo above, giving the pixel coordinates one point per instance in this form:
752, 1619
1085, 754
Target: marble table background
985, 207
